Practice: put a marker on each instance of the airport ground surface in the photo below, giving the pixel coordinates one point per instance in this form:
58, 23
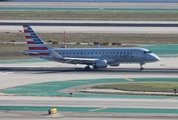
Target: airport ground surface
85, 5
61, 79
29, 89
86, 29
27, 78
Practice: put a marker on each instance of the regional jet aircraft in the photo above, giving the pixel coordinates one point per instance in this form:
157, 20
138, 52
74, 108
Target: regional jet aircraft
96, 57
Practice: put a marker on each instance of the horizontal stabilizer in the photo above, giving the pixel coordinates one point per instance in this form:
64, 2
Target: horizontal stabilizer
27, 52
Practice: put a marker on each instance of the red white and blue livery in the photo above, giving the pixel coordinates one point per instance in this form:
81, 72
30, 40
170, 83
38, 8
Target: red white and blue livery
96, 57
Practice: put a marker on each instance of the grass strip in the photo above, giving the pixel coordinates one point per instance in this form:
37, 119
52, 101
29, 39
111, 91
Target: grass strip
10, 50
89, 15
141, 87
96, 37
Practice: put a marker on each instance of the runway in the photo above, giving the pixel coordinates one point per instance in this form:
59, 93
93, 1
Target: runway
15, 74
27, 73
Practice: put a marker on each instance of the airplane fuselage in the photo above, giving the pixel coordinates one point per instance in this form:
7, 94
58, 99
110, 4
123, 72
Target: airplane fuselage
111, 55
96, 57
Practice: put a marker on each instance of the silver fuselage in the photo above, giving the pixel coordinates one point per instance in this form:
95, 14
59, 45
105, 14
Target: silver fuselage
111, 55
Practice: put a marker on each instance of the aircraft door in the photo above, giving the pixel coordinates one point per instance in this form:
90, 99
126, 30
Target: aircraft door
137, 55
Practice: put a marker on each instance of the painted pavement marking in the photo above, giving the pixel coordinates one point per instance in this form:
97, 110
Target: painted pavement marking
6, 72
129, 79
172, 98
97, 109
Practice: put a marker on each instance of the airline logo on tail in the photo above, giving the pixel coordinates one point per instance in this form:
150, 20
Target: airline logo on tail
35, 43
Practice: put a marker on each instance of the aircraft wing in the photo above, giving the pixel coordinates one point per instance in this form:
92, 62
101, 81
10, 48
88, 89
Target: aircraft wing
80, 60
74, 60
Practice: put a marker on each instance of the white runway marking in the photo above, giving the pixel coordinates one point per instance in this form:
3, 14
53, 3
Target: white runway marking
6, 73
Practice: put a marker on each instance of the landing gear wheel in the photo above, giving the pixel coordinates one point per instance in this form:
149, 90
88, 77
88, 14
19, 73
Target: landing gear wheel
141, 68
94, 67
87, 68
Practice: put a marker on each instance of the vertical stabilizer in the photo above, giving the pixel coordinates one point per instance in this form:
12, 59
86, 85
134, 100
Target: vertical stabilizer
34, 42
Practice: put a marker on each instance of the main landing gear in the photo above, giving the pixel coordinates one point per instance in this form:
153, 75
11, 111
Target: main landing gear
87, 68
141, 68
94, 67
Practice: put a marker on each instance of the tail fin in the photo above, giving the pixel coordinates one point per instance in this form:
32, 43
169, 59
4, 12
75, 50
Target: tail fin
34, 42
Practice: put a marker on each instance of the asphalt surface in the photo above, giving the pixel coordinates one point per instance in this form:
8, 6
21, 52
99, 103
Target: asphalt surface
106, 24
30, 73
79, 70
89, 29
89, 102
43, 26
36, 72
87, 5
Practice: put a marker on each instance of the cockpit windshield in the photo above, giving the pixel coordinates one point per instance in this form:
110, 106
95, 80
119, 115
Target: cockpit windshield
146, 52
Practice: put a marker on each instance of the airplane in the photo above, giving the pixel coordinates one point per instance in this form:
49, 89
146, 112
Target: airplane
96, 57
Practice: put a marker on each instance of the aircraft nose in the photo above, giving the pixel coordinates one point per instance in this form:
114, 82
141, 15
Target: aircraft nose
156, 58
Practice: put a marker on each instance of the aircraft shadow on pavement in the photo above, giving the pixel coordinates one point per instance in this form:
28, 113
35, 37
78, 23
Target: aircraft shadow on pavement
46, 70
110, 70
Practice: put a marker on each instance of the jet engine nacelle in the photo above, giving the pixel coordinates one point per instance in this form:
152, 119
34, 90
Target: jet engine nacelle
101, 64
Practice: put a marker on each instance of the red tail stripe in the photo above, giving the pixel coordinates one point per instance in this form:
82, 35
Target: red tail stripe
45, 54
26, 31
28, 37
24, 25
37, 48
30, 42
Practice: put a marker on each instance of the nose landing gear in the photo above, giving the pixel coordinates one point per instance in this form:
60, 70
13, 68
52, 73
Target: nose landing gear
141, 68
